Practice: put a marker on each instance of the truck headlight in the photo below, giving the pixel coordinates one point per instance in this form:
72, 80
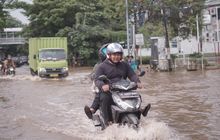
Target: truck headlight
42, 70
65, 69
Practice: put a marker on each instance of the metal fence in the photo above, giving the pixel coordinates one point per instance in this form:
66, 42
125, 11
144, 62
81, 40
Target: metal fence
8, 41
190, 63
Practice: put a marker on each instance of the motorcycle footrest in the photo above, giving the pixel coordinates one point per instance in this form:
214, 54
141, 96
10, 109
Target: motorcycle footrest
96, 120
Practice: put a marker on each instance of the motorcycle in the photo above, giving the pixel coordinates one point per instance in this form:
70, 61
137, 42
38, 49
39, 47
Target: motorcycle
10, 71
126, 107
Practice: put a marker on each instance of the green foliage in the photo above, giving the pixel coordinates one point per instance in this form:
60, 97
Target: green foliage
90, 23
150, 30
195, 55
12, 22
5, 19
3, 15
146, 59
180, 15
87, 23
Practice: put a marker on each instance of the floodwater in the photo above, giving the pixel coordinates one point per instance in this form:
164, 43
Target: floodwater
185, 106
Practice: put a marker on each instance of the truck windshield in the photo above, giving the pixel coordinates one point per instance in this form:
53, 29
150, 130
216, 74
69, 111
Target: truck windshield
52, 54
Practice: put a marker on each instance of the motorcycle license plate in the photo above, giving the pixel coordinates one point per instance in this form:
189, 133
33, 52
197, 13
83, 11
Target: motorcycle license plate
54, 75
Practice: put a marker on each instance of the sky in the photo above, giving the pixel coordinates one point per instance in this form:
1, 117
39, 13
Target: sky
17, 14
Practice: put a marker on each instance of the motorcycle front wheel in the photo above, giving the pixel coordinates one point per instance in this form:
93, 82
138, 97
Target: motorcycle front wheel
131, 120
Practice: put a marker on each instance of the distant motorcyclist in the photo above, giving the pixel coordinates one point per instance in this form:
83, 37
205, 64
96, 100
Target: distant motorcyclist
7, 63
1, 66
115, 69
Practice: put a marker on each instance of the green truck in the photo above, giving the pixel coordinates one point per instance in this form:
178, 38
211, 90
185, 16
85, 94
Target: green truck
48, 56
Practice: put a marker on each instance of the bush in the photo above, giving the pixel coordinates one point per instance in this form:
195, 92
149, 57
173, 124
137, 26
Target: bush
91, 62
146, 59
195, 55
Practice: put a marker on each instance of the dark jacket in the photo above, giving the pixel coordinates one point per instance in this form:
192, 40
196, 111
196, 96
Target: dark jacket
115, 72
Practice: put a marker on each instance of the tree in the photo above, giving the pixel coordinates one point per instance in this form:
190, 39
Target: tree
88, 24
12, 22
176, 17
3, 14
180, 16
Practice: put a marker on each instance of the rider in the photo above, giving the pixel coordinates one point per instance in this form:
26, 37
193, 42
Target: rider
7, 63
115, 69
96, 102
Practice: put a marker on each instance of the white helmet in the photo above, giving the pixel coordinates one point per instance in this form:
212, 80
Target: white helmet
9, 57
114, 48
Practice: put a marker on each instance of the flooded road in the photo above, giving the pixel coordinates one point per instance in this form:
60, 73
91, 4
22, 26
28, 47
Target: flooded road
185, 106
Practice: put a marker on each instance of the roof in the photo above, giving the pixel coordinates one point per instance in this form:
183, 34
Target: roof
12, 29
211, 3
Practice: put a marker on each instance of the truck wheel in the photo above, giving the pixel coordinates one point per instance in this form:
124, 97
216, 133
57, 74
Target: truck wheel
32, 72
64, 75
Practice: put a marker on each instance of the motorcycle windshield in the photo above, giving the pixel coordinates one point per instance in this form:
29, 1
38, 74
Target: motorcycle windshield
124, 85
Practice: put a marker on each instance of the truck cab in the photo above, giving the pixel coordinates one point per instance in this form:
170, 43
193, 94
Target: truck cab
48, 57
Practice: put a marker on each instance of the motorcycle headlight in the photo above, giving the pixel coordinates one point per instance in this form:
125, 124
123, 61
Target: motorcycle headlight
123, 104
11, 69
127, 103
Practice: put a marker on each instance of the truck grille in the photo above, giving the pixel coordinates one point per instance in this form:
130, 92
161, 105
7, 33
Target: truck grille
53, 70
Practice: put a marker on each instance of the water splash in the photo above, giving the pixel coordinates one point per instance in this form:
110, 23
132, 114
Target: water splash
152, 130
20, 77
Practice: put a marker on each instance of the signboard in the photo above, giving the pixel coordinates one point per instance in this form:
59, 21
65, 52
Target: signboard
206, 19
139, 38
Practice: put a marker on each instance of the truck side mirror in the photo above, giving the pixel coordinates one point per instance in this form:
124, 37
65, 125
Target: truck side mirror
34, 56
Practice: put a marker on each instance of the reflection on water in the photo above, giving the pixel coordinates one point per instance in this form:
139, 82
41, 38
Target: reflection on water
187, 101
185, 105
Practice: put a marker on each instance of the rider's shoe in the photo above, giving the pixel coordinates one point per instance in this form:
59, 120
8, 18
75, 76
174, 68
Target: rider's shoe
110, 122
88, 112
142, 73
145, 110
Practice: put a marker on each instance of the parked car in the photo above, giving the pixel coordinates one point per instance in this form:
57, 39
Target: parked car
17, 61
24, 59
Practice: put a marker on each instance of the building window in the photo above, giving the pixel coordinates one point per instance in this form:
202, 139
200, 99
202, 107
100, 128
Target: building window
213, 16
219, 36
207, 34
174, 44
213, 11
215, 36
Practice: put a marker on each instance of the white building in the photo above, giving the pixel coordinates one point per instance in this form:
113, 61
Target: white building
11, 36
210, 36
211, 29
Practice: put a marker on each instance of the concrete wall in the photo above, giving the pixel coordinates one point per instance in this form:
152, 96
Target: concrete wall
187, 46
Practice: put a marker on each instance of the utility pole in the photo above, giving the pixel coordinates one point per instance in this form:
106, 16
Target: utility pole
163, 12
217, 30
127, 27
197, 29
135, 29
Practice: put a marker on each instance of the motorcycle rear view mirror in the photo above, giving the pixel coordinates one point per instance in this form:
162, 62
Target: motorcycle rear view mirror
103, 78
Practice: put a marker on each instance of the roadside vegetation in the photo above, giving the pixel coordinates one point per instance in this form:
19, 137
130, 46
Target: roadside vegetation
90, 24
